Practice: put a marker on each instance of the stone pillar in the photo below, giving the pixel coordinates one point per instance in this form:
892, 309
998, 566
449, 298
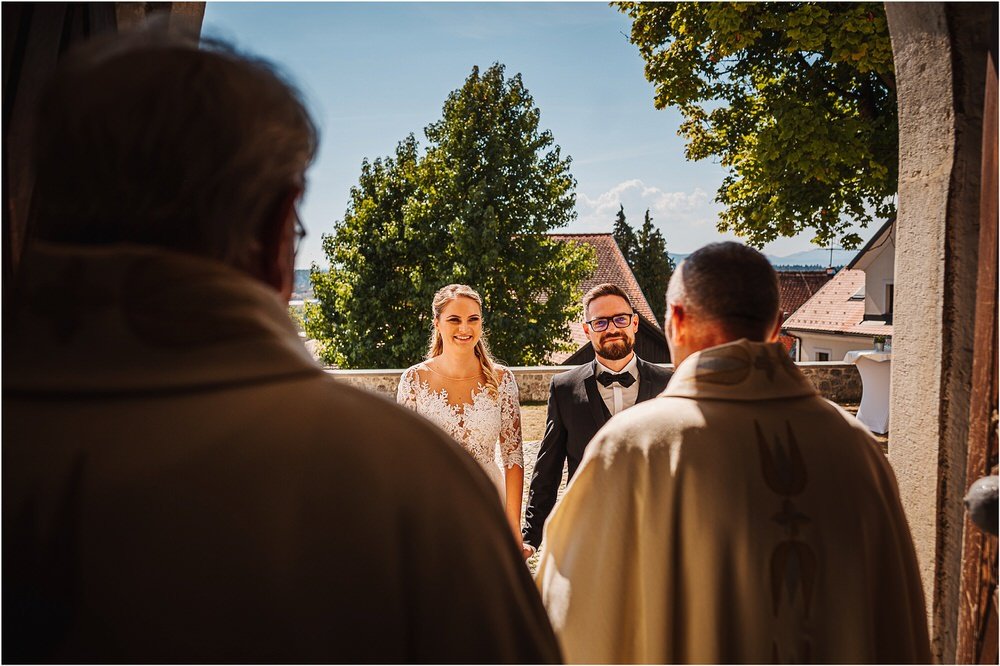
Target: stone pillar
940, 56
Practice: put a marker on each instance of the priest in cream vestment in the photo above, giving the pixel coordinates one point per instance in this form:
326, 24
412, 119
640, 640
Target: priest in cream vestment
738, 517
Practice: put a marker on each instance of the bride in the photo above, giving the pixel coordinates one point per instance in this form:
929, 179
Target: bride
461, 389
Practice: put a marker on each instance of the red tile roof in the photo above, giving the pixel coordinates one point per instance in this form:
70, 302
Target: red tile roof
611, 267
787, 342
797, 287
834, 310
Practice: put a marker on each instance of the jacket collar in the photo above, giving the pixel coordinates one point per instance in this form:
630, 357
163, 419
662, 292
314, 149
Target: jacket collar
127, 319
645, 382
594, 399
740, 370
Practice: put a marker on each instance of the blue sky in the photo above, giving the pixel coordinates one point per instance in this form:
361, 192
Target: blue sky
372, 73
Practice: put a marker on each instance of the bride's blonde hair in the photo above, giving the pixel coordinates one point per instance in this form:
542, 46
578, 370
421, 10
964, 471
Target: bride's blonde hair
444, 296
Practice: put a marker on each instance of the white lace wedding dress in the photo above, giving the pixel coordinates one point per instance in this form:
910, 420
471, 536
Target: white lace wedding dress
489, 427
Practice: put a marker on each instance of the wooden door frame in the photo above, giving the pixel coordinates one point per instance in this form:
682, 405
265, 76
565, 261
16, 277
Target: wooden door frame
977, 629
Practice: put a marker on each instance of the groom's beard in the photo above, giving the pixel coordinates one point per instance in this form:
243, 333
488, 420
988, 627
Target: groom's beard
615, 349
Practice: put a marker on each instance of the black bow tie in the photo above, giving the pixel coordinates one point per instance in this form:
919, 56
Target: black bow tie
607, 379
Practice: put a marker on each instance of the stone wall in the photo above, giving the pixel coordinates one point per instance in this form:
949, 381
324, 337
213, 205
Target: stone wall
837, 381
379, 381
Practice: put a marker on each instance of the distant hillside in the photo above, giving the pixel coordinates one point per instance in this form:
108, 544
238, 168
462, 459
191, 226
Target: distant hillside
802, 267
817, 257
806, 260
302, 289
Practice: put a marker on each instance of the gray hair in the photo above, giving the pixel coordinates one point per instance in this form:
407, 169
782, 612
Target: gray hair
156, 139
730, 284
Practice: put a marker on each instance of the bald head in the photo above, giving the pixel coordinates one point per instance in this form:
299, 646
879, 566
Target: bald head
724, 292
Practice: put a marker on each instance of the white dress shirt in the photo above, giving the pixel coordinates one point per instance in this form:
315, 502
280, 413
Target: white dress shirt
616, 397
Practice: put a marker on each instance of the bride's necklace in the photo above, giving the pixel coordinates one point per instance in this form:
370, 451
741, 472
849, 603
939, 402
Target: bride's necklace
454, 379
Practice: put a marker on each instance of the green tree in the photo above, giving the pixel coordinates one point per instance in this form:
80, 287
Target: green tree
624, 235
652, 266
474, 208
797, 99
379, 255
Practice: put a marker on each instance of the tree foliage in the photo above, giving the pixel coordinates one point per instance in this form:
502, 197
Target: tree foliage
796, 99
473, 208
646, 254
624, 235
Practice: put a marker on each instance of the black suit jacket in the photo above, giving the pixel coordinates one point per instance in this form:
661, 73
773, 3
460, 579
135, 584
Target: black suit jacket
575, 413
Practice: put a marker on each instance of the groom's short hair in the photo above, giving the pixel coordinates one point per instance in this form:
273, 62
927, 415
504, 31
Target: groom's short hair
605, 289
730, 284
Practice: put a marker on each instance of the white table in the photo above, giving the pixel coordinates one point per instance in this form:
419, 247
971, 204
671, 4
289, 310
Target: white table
874, 368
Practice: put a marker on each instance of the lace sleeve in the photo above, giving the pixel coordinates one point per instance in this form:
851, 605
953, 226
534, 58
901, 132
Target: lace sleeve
406, 392
510, 422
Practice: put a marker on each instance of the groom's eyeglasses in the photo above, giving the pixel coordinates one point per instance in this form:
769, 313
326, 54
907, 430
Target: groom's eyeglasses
601, 323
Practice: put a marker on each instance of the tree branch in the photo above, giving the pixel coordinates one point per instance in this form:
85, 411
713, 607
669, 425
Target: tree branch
829, 85
889, 79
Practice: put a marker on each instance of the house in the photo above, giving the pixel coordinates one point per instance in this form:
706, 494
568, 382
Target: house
650, 343
850, 310
794, 289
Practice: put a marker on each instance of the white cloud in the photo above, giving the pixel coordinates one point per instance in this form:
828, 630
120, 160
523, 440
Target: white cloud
607, 203
687, 219
675, 202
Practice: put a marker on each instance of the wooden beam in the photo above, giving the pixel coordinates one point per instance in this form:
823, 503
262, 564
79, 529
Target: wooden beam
976, 594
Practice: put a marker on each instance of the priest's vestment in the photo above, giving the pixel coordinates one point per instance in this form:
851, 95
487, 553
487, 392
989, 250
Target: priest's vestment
738, 517
183, 483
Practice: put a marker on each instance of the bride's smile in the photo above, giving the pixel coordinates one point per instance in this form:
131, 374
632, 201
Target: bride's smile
461, 324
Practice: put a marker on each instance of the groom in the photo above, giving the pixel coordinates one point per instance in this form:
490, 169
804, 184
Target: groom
582, 400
